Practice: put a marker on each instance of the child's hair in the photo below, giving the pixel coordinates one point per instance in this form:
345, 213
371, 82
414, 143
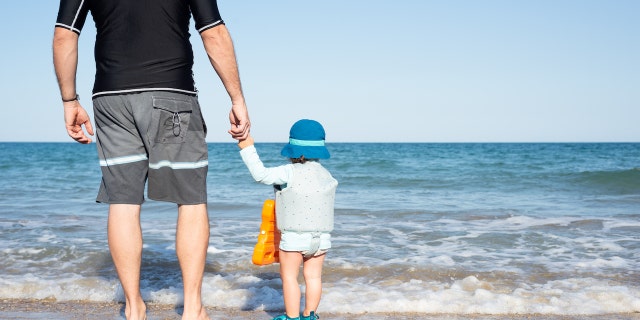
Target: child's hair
302, 159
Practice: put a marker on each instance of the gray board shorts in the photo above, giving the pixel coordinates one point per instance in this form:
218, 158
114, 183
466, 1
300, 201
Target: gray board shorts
157, 136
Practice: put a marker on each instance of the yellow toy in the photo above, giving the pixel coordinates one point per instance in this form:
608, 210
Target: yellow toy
267, 247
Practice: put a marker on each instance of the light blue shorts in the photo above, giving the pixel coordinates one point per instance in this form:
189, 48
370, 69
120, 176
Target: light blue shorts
305, 243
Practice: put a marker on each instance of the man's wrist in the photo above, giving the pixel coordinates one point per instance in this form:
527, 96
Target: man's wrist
237, 98
75, 98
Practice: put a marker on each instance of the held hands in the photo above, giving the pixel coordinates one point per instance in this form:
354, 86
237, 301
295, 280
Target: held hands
239, 119
74, 117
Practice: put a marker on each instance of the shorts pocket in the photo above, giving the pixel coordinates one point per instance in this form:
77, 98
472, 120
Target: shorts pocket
170, 120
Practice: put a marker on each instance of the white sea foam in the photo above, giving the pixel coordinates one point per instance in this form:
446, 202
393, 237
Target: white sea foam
47, 238
470, 295
577, 296
612, 224
442, 260
31, 286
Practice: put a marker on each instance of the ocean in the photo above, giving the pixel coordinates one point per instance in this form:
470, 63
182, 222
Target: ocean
427, 228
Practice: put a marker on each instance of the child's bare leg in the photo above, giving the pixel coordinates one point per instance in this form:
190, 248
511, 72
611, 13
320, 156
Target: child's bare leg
290, 262
312, 272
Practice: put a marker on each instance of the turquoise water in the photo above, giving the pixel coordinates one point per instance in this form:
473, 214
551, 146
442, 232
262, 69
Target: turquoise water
428, 228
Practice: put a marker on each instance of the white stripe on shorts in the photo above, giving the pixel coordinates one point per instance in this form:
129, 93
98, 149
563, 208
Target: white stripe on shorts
179, 165
123, 160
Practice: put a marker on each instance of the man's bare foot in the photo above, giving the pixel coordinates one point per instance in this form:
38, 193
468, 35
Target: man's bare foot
140, 316
201, 315
137, 312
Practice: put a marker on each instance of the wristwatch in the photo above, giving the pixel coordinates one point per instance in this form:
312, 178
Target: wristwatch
77, 97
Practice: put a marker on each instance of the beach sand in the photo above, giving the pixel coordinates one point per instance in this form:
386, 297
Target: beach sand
38, 309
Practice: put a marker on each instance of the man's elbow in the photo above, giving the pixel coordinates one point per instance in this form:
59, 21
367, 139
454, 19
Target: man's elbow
215, 34
63, 36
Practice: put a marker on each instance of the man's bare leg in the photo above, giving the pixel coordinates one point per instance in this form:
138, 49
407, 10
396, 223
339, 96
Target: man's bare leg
192, 241
125, 243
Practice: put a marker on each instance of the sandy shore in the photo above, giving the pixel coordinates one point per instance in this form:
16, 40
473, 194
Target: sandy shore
31, 309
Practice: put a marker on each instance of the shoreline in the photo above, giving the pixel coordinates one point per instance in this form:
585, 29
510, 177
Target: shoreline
49, 309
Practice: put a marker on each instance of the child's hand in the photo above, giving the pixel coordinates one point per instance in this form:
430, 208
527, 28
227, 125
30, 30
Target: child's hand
246, 142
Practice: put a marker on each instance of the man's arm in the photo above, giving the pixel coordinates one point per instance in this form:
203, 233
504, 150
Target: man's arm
65, 62
219, 46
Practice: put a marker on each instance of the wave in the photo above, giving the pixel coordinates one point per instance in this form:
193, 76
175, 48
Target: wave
610, 182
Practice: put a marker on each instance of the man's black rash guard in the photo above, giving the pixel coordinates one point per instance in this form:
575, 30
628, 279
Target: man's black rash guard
141, 45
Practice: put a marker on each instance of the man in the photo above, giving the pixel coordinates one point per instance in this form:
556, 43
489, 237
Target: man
149, 124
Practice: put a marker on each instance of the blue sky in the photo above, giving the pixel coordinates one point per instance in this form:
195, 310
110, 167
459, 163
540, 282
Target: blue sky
380, 71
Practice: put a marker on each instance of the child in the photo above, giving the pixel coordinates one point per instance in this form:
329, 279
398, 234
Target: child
305, 193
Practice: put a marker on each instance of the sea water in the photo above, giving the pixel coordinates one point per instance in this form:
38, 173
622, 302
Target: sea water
426, 228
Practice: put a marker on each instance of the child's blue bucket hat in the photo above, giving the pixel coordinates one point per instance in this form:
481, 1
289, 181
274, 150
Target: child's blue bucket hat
306, 138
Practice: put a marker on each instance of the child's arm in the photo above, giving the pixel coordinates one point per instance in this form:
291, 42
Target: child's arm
272, 176
246, 142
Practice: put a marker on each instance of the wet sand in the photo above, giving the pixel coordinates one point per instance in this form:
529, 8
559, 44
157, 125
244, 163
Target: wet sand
38, 309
